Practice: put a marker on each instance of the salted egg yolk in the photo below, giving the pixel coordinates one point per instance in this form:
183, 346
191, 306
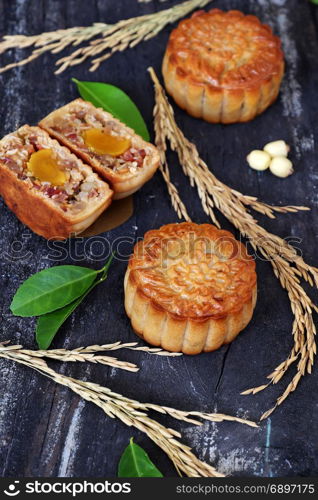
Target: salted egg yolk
43, 166
102, 143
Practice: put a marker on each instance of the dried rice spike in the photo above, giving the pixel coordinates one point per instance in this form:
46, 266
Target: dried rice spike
116, 406
113, 38
288, 267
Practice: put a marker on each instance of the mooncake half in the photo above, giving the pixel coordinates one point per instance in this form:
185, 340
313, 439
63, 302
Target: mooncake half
113, 150
48, 188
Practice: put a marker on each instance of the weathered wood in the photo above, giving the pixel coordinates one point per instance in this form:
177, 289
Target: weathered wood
45, 430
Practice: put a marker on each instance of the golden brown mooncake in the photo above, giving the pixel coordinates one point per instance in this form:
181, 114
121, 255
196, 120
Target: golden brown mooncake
224, 67
190, 288
125, 171
61, 196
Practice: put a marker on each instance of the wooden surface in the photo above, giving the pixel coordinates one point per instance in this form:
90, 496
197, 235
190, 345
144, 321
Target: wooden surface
45, 429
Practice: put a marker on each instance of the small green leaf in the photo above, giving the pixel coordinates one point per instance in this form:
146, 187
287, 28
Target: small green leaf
51, 289
116, 102
49, 324
136, 463
314, 1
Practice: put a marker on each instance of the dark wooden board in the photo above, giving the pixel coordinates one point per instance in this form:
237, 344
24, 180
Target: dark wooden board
45, 429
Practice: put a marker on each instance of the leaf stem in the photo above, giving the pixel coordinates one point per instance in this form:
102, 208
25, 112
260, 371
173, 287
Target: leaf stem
105, 268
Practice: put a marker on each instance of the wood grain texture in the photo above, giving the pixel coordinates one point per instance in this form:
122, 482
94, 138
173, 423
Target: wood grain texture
46, 430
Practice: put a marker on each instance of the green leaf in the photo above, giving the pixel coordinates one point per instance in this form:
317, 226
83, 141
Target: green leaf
49, 324
136, 463
314, 1
51, 289
116, 102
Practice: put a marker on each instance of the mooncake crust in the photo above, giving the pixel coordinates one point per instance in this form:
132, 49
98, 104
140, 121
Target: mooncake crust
224, 67
190, 288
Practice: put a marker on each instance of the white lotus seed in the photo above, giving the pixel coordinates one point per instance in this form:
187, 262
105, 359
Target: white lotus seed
281, 166
277, 148
259, 160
